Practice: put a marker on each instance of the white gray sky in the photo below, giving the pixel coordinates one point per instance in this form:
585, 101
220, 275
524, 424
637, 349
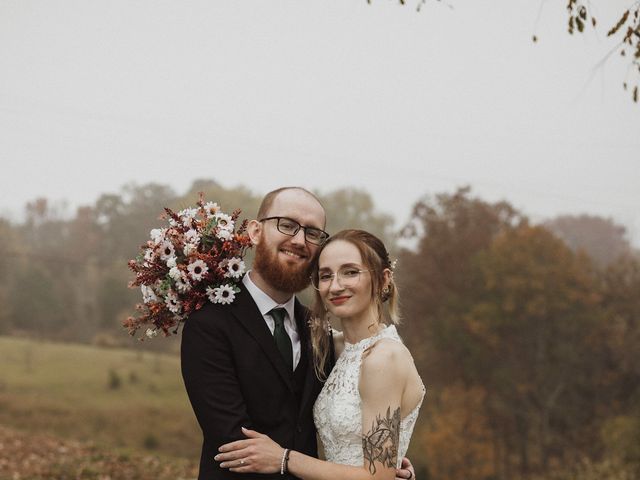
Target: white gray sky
324, 94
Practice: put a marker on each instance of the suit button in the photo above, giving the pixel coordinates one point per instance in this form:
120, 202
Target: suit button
299, 429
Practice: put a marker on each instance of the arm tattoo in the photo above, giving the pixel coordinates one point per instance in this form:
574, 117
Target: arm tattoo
381, 442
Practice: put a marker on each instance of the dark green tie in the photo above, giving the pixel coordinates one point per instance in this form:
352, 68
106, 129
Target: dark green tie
280, 335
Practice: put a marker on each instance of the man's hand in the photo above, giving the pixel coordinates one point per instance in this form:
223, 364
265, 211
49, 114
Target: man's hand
406, 470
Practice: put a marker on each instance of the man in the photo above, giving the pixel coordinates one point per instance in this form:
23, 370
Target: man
249, 364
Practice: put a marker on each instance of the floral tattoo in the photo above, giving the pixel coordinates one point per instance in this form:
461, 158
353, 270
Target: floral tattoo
380, 443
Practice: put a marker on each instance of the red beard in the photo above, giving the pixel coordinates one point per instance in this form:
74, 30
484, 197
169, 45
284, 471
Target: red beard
282, 277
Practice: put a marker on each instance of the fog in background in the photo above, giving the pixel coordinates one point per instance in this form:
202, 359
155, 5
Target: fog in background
324, 94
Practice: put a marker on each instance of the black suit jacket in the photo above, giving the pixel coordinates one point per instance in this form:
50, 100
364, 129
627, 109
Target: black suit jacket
235, 377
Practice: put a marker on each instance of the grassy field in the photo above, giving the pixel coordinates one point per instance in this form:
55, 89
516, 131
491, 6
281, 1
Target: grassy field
119, 400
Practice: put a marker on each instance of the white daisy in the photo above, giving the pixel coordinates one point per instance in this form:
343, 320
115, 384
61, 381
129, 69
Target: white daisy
223, 234
151, 332
211, 293
224, 221
172, 261
188, 213
157, 235
192, 236
187, 216
235, 268
211, 208
224, 294
175, 273
167, 250
148, 254
197, 269
182, 284
173, 304
148, 295
188, 249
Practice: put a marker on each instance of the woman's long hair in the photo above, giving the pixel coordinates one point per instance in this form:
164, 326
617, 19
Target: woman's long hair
375, 259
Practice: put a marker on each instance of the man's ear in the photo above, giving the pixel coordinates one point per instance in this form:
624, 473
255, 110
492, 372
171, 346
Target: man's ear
254, 230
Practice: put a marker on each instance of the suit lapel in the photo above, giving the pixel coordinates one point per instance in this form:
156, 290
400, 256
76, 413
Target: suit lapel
246, 312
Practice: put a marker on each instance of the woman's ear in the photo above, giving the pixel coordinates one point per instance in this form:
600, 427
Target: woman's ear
254, 230
387, 277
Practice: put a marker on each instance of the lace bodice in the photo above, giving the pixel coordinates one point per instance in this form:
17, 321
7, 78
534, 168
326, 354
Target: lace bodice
338, 410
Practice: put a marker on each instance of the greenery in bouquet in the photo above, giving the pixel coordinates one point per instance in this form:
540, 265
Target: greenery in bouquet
196, 258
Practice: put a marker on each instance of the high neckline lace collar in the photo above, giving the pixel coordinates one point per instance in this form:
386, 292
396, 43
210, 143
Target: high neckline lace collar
387, 331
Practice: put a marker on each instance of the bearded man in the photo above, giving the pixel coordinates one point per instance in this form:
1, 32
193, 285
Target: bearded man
250, 364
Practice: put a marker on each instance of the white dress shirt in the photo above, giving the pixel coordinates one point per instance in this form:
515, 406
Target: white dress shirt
265, 304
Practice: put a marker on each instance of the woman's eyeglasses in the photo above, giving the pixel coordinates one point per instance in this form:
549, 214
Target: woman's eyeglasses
346, 277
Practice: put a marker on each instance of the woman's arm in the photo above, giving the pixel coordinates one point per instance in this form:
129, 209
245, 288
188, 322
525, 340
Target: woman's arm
260, 454
381, 387
382, 382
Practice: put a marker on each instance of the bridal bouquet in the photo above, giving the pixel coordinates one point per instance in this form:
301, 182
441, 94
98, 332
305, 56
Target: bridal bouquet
196, 258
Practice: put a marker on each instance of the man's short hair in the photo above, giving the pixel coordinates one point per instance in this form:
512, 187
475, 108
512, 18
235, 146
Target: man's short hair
269, 198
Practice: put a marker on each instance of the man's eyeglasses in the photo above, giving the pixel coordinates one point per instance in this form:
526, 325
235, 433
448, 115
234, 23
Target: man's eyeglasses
347, 277
291, 227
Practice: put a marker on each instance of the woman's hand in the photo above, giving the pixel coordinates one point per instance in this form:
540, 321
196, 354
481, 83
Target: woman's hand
258, 454
406, 471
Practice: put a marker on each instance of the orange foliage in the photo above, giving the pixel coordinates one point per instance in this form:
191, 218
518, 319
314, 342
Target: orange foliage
458, 440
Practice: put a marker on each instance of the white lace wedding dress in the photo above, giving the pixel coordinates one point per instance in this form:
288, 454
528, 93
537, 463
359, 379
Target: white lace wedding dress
338, 412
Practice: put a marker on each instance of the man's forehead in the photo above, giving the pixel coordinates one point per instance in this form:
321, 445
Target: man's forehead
299, 206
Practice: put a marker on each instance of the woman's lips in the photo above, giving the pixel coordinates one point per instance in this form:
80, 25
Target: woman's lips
339, 300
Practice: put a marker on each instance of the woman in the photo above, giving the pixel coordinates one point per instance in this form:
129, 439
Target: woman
369, 404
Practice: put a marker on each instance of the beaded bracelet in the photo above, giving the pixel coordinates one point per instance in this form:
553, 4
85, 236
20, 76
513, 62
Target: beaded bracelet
285, 461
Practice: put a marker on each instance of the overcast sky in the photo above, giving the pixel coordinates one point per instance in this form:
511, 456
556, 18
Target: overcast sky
324, 94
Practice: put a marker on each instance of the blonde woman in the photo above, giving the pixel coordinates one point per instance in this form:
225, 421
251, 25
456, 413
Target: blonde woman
369, 404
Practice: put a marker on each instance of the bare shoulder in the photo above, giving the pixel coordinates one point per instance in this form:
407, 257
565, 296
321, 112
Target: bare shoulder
386, 352
387, 358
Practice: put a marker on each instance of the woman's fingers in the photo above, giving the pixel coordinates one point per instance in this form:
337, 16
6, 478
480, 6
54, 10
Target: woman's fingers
252, 433
237, 445
230, 456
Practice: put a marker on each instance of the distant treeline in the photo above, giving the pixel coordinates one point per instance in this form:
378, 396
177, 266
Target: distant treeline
526, 335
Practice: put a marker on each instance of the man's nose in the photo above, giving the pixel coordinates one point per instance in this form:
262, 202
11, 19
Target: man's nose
298, 238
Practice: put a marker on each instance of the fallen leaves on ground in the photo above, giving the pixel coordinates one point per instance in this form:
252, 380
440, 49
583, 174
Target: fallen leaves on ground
39, 456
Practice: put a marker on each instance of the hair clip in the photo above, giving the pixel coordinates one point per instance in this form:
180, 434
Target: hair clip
393, 264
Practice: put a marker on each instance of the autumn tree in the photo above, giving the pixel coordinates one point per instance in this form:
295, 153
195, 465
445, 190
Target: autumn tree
437, 279
510, 318
437, 275
621, 301
531, 328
